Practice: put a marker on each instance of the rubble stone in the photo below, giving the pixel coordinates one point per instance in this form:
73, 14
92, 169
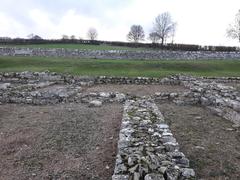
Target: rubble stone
146, 148
118, 54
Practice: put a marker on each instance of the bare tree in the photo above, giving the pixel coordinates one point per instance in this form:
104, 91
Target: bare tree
73, 37
164, 26
234, 30
153, 36
34, 37
173, 32
65, 36
92, 34
30, 36
136, 33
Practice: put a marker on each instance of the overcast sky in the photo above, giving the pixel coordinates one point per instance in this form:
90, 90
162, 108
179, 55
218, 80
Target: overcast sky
198, 21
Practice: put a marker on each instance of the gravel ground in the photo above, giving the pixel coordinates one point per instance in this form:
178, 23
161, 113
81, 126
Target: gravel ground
210, 142
69, 141
140, 90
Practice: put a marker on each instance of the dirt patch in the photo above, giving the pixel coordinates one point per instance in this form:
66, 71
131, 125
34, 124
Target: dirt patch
68, 141
140, 90
210, 142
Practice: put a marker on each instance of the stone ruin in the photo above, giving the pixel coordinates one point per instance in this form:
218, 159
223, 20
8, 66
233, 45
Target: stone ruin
146, 149
221, 99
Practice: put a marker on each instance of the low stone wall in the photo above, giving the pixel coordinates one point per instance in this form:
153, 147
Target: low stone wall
146, 148
224, 100
51, 93
26, 77
221, 99
29, 87
118, 54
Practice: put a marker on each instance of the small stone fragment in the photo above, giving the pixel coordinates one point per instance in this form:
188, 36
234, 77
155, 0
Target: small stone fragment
136, 176
188, 173
171, 173
95, 103
154, 177
120, 177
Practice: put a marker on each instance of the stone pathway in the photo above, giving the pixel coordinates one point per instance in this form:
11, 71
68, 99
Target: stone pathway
146, 148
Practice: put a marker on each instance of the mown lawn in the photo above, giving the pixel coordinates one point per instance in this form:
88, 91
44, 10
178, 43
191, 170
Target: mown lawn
132, 68
76, 46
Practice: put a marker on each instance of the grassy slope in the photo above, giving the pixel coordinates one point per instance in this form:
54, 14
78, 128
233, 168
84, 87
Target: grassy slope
123, 67
75, 46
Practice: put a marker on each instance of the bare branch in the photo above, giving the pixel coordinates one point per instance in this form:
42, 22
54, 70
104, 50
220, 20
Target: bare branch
164, 26
233, 30
154, 37
136, 33
92, 34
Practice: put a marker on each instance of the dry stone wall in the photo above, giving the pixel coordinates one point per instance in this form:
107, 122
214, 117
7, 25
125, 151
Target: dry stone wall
146, 148
221, 99
36, 77
50, 88
118, 54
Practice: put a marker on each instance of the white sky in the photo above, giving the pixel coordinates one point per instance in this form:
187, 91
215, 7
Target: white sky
198, 21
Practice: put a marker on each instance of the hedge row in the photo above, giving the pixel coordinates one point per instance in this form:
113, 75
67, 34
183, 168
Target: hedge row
178, 47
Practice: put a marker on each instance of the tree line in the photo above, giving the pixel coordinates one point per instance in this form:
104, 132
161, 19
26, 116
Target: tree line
163, 28
92, 34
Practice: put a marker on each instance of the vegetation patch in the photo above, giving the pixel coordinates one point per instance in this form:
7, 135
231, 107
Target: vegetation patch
76, 46
131, 68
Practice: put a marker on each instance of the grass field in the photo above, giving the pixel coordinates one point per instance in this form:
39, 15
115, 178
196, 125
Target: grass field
132, 68
76, 46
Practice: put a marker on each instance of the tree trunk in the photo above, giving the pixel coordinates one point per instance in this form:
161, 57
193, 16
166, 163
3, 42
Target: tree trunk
162, 42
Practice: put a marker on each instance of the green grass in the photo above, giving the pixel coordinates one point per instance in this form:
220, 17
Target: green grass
75, 46
132, 68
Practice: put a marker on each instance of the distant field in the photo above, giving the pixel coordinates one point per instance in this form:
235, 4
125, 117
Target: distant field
132, 68
76, 46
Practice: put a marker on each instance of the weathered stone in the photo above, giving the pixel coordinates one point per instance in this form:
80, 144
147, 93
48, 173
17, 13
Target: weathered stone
162, 169
120, 169
95, 103
171, 146
205, 101
172, 173
136, 176
173, 95
166, 163
104, 94
131, 161
4, 86
176, 154
120, 97
187, 173
163, 126
133, 169
120, 177
232, 116
153, 176
183, 162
